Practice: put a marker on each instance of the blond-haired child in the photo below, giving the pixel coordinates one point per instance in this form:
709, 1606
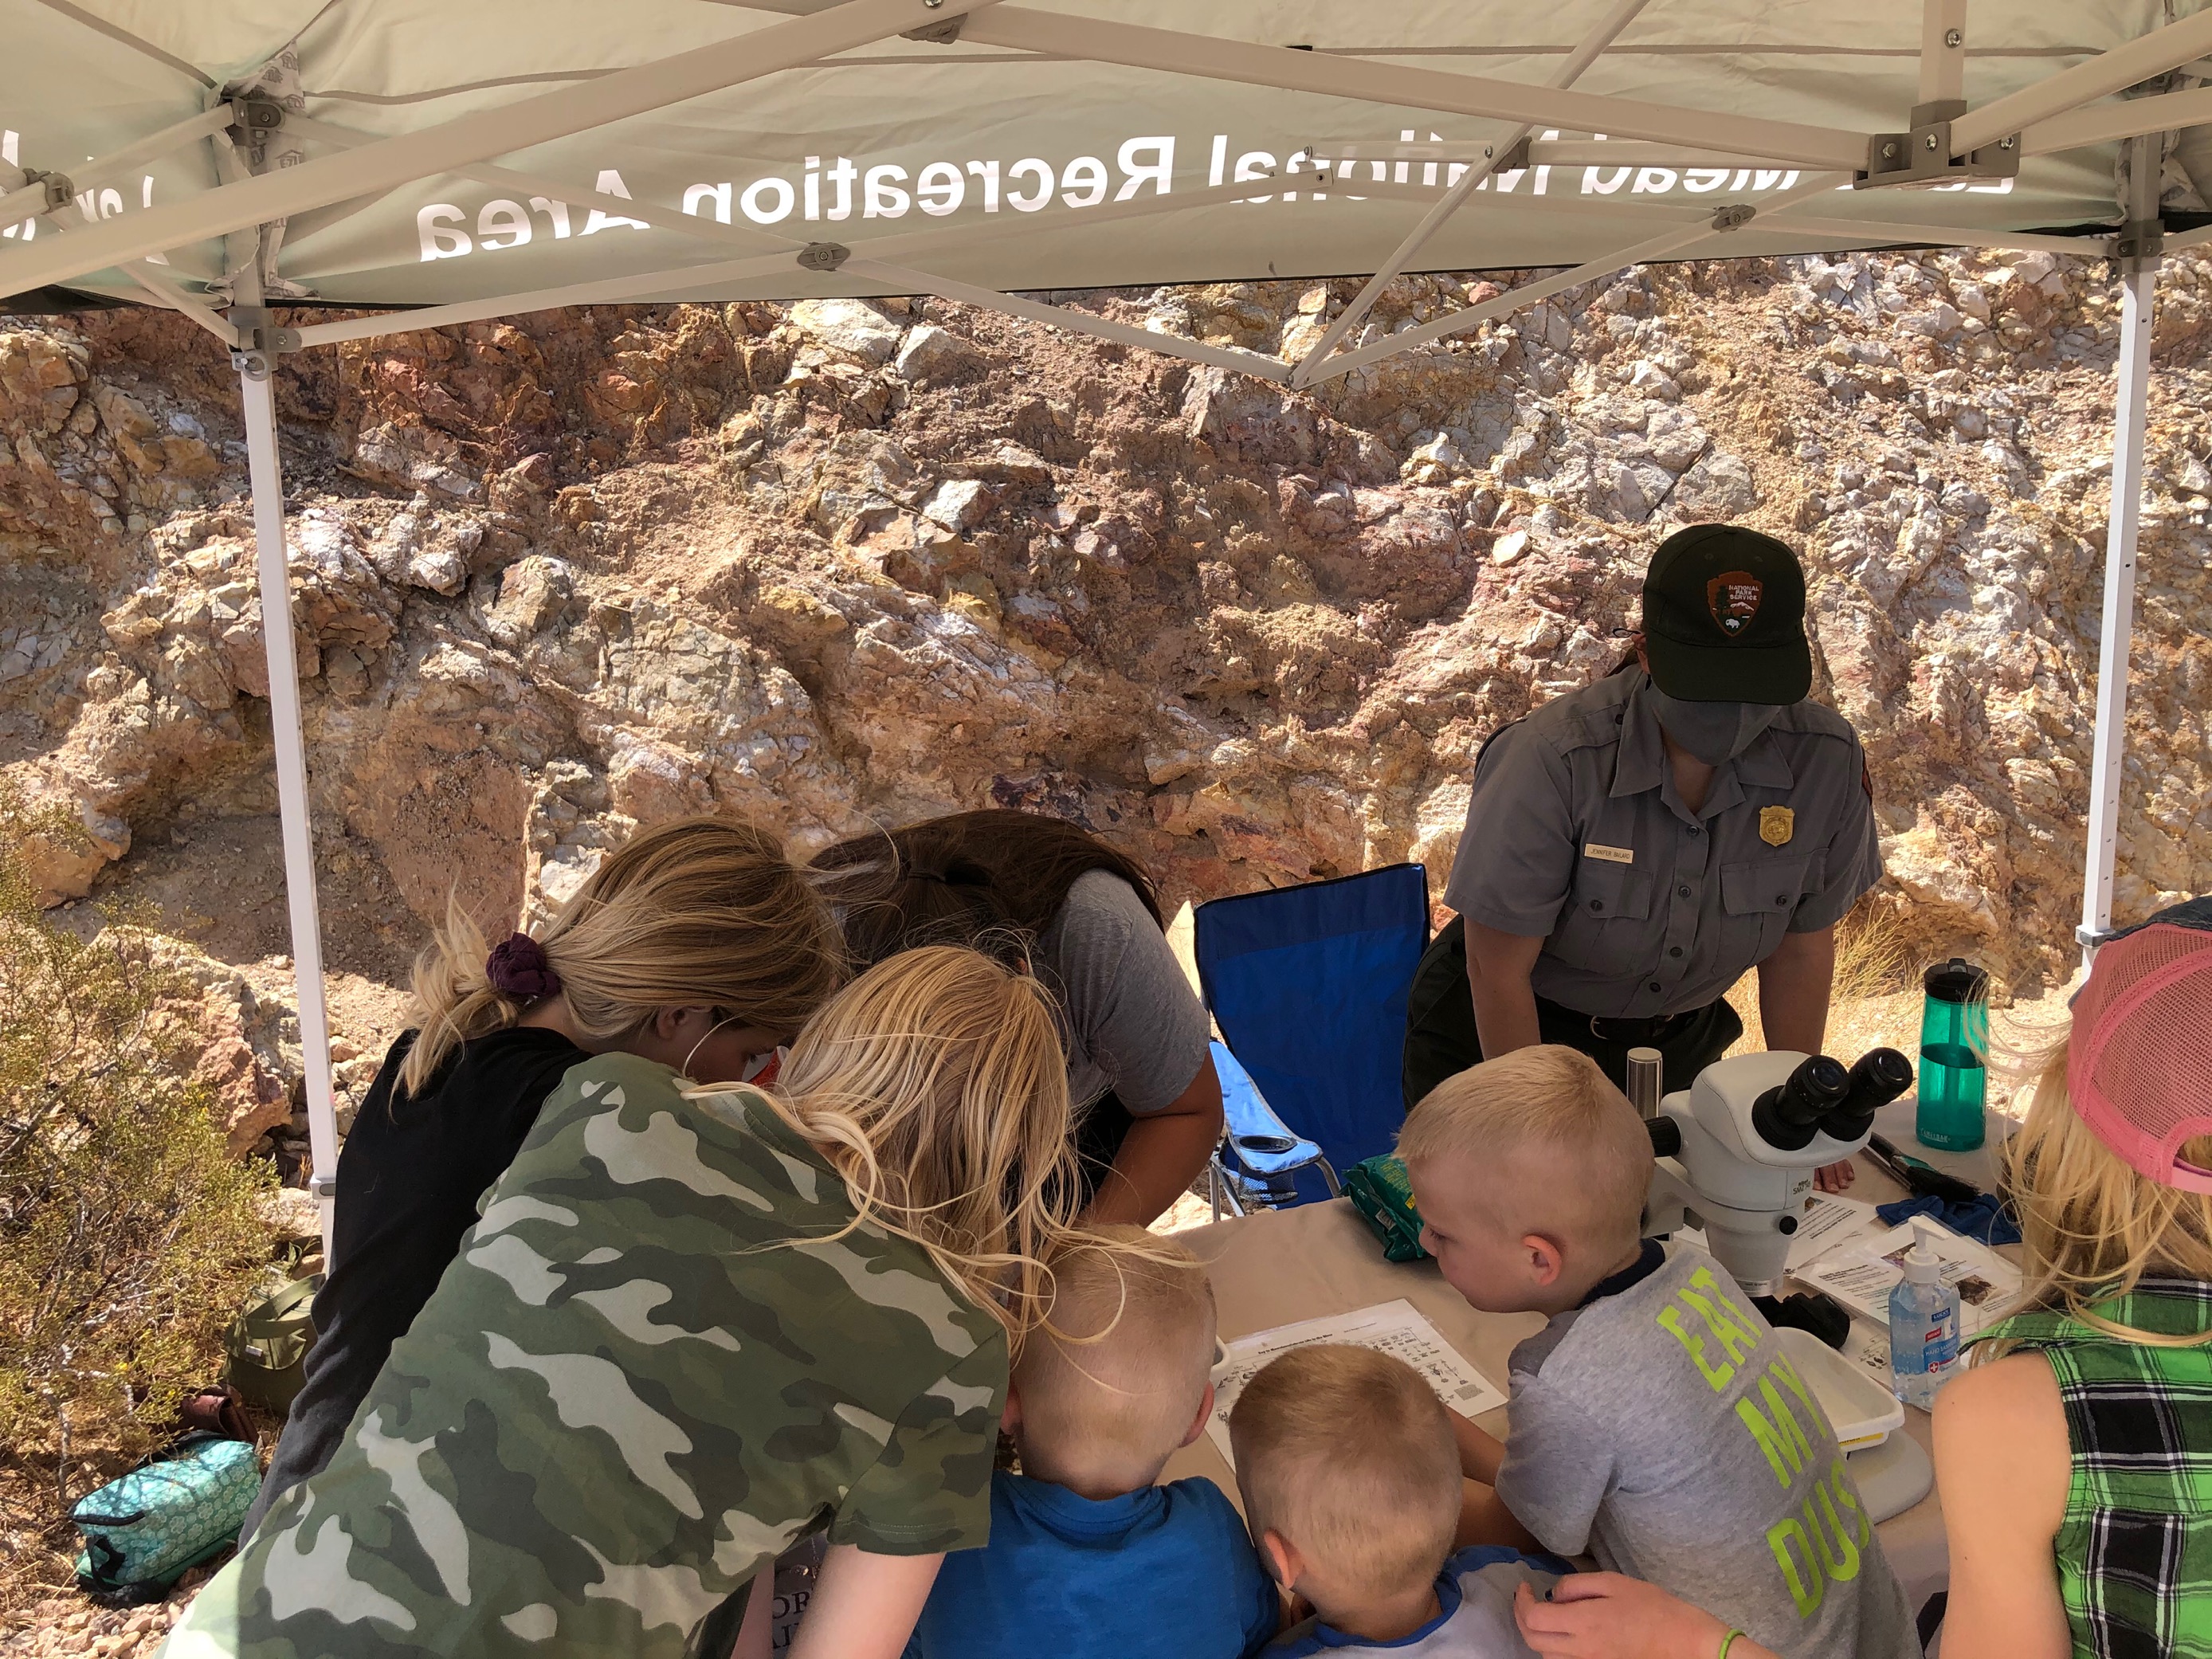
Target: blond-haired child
1352, 1490
2071, 1461
1087, 1556
1656, 1421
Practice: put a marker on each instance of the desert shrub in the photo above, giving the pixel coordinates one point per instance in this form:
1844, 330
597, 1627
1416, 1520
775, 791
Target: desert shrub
128, 1236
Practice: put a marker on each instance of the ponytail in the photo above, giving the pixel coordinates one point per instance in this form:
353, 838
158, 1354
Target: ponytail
454, 999
701, 910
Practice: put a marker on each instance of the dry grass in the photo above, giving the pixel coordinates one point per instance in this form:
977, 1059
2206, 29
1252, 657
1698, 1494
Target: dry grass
1875, 1001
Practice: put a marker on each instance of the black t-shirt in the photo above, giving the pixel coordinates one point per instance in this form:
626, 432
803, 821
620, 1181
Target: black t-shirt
409, 1179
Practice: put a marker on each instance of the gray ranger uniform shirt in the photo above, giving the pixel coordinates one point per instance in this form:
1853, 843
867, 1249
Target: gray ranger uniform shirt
1575, 833
1661, 1427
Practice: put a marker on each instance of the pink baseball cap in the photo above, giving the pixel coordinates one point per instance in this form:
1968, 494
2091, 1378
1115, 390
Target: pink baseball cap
2139, 1067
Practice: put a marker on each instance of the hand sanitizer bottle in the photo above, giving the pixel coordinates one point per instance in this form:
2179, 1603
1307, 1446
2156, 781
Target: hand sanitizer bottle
1923, 1326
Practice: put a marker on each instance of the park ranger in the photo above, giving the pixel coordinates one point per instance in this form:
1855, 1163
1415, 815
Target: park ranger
1634, 847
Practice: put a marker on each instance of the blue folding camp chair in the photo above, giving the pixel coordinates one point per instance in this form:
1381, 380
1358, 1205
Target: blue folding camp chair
1268, 1155
1308, 985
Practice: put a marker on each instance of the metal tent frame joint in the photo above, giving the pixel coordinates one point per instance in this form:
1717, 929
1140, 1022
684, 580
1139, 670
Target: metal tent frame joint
1924, 155
1734, 216
59, 191
2140, 239
823, 255
259, 339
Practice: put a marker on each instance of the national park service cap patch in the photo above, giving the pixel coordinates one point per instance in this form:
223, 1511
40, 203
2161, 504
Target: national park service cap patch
1724, 617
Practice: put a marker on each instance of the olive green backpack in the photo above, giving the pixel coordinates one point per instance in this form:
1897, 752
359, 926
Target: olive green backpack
267, 1344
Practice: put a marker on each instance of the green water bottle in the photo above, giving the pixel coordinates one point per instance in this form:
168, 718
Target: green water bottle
1954, 1037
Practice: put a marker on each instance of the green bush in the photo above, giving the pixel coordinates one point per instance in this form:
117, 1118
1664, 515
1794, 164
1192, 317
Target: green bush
128, 1236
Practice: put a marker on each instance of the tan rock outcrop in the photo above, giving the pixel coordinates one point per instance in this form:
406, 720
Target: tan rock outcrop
851, 562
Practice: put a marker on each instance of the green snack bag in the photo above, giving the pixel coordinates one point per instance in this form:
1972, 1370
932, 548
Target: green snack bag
1379, 1189
267, 1344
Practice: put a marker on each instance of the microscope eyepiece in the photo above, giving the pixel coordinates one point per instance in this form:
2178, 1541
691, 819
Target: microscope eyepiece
1880, 1076
1789, 1115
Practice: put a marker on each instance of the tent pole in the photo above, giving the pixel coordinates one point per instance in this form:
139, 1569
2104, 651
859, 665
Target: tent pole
1943, 57
2131, 399
256, 389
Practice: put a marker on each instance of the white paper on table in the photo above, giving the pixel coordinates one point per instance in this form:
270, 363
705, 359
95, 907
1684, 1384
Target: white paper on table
1860, 1272
1828, 1220
1396, 1329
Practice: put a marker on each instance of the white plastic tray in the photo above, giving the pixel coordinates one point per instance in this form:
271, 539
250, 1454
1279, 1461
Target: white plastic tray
1860, 1410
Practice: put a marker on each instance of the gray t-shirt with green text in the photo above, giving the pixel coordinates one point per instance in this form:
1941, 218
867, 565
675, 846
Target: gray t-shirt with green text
1662, 1429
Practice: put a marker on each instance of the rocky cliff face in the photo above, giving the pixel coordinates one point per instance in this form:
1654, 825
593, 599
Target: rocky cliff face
835, 563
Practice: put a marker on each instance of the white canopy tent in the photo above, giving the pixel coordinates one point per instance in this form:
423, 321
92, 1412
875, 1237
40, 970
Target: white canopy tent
217, 156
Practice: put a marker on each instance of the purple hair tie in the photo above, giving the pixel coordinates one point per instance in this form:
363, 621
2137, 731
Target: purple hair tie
518, 967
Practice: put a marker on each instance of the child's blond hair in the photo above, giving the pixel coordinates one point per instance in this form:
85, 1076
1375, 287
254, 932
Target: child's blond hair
1348, 1455
700, 910
936, 1086
1553, 1102
2091, 1225
1112, 1381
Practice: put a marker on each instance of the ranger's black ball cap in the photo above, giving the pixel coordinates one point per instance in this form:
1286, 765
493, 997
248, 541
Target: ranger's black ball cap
1724, 617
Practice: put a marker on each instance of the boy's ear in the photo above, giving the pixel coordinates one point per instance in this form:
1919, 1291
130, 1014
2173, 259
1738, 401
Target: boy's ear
1282, 1557
1204, 1411
1546, 1259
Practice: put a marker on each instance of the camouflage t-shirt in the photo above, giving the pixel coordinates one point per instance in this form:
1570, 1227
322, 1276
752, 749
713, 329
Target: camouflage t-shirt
630, 1391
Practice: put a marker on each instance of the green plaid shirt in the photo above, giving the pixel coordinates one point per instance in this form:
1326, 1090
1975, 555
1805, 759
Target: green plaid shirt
2134, 1550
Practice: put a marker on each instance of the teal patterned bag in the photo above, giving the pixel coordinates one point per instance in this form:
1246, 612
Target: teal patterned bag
143, 1530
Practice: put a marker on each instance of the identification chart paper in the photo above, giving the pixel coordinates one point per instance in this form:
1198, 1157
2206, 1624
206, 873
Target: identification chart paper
1860, 1272
1396, 1329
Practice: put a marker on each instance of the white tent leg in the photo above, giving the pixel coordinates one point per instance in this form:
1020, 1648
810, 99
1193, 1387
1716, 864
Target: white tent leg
266, 471
2138, 296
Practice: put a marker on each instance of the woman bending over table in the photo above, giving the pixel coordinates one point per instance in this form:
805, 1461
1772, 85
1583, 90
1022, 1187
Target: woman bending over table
696, 945
2075, 1459
693, 1326
1085, 915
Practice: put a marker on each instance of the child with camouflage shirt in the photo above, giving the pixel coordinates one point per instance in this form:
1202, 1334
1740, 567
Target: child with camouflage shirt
686, 1330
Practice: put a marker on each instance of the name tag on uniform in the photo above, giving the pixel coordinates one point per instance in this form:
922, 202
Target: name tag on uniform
1610, 854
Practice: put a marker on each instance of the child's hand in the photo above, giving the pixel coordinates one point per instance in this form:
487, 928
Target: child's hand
1603, 1615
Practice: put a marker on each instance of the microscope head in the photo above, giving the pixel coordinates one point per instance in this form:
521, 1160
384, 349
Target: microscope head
1795, 1111
1738, 1148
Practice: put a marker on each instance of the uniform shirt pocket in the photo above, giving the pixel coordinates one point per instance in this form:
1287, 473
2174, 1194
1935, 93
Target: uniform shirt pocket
1759, 897
1605, 916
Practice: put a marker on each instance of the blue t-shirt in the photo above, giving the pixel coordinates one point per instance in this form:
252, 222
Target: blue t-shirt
1474, 1613
1165, 1572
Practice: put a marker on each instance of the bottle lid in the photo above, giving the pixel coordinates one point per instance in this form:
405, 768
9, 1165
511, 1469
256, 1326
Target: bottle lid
1957, 981
1921, 1265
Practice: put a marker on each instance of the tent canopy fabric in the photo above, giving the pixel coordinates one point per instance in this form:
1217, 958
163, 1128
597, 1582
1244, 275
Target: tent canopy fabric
473, 161
427, 154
